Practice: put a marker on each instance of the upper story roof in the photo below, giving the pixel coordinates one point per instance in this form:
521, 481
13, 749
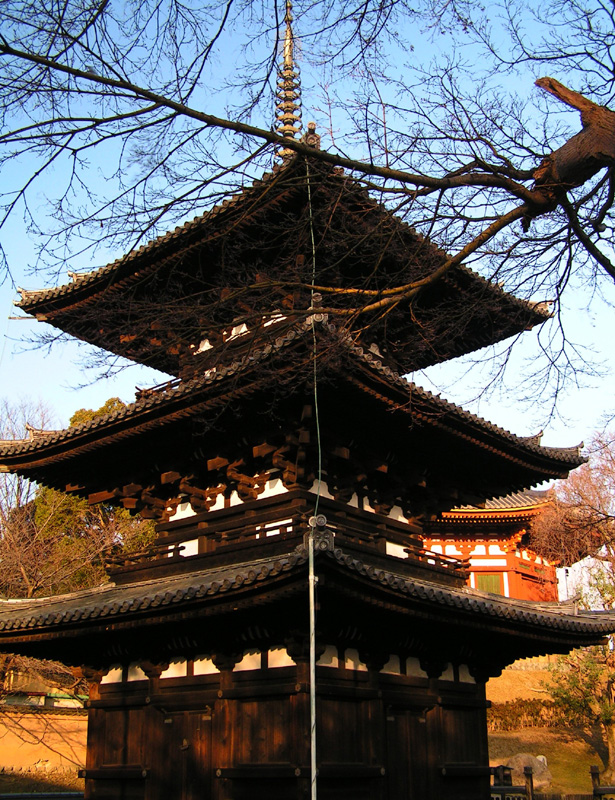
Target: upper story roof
255, 256
503, 516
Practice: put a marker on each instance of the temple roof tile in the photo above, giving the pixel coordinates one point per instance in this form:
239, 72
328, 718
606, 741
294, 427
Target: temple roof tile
111, 603
445, 414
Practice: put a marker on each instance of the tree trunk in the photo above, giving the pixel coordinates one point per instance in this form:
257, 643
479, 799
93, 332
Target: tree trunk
581, 157
608, 776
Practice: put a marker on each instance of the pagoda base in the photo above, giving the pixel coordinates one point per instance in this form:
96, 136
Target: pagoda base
238, 734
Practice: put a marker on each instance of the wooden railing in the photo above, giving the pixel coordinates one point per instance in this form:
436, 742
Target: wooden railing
502, 787
599, 790
267, 524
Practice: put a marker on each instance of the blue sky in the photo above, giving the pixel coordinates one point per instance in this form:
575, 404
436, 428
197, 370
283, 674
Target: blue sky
59, 380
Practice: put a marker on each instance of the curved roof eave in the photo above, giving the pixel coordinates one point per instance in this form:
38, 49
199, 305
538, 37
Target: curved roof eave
134, 264
182, 398
159, 598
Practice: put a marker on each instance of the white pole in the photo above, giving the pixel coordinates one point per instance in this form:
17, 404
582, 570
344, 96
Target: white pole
312, 591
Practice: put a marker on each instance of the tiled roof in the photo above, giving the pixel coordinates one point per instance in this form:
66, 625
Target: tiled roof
112, 604
110, 601
32, 297
443, 414
518, 500
515, 501
132, 262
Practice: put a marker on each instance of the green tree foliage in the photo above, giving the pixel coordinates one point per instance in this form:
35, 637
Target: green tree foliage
583, 685
57, 543
584, 682
52, 542
87, 414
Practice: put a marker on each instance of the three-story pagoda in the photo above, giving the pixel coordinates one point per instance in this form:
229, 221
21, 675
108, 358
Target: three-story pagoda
285, 419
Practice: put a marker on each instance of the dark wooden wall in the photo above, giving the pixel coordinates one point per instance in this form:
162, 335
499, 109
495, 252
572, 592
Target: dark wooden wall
233, 735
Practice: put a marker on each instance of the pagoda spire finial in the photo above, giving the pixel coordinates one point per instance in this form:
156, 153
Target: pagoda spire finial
288, 95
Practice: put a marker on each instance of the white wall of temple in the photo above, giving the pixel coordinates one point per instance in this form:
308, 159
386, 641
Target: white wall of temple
278, 657
182, 511
480, 552
488, 562
274, 487
272, 528
396, 550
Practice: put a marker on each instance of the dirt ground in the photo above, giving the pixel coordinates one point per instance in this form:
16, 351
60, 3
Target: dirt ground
18, 782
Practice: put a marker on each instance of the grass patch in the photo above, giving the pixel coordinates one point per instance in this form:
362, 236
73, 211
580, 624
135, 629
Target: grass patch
569, 752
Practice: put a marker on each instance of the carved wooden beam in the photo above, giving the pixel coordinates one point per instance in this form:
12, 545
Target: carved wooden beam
201, 499
169, 477
263, 450
103, 496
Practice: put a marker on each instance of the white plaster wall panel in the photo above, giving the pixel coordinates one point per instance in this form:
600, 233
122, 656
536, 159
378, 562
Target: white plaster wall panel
464, 674
251, 660
396, 550
178, 668
204, 666
135, 673
352, 660
273, 487
329, 658
182, 511
393, 666
278, 657
414, 669
114, 675
189, 548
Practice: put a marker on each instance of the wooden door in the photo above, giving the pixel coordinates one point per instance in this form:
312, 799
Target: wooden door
182, 767
407, 756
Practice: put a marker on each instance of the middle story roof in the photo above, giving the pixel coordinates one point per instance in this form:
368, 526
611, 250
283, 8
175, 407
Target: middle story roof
377, 428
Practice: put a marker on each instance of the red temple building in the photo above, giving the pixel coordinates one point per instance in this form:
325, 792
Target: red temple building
495, 542
286, 453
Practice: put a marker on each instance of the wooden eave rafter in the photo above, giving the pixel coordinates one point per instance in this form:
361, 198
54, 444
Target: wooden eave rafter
427, 411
